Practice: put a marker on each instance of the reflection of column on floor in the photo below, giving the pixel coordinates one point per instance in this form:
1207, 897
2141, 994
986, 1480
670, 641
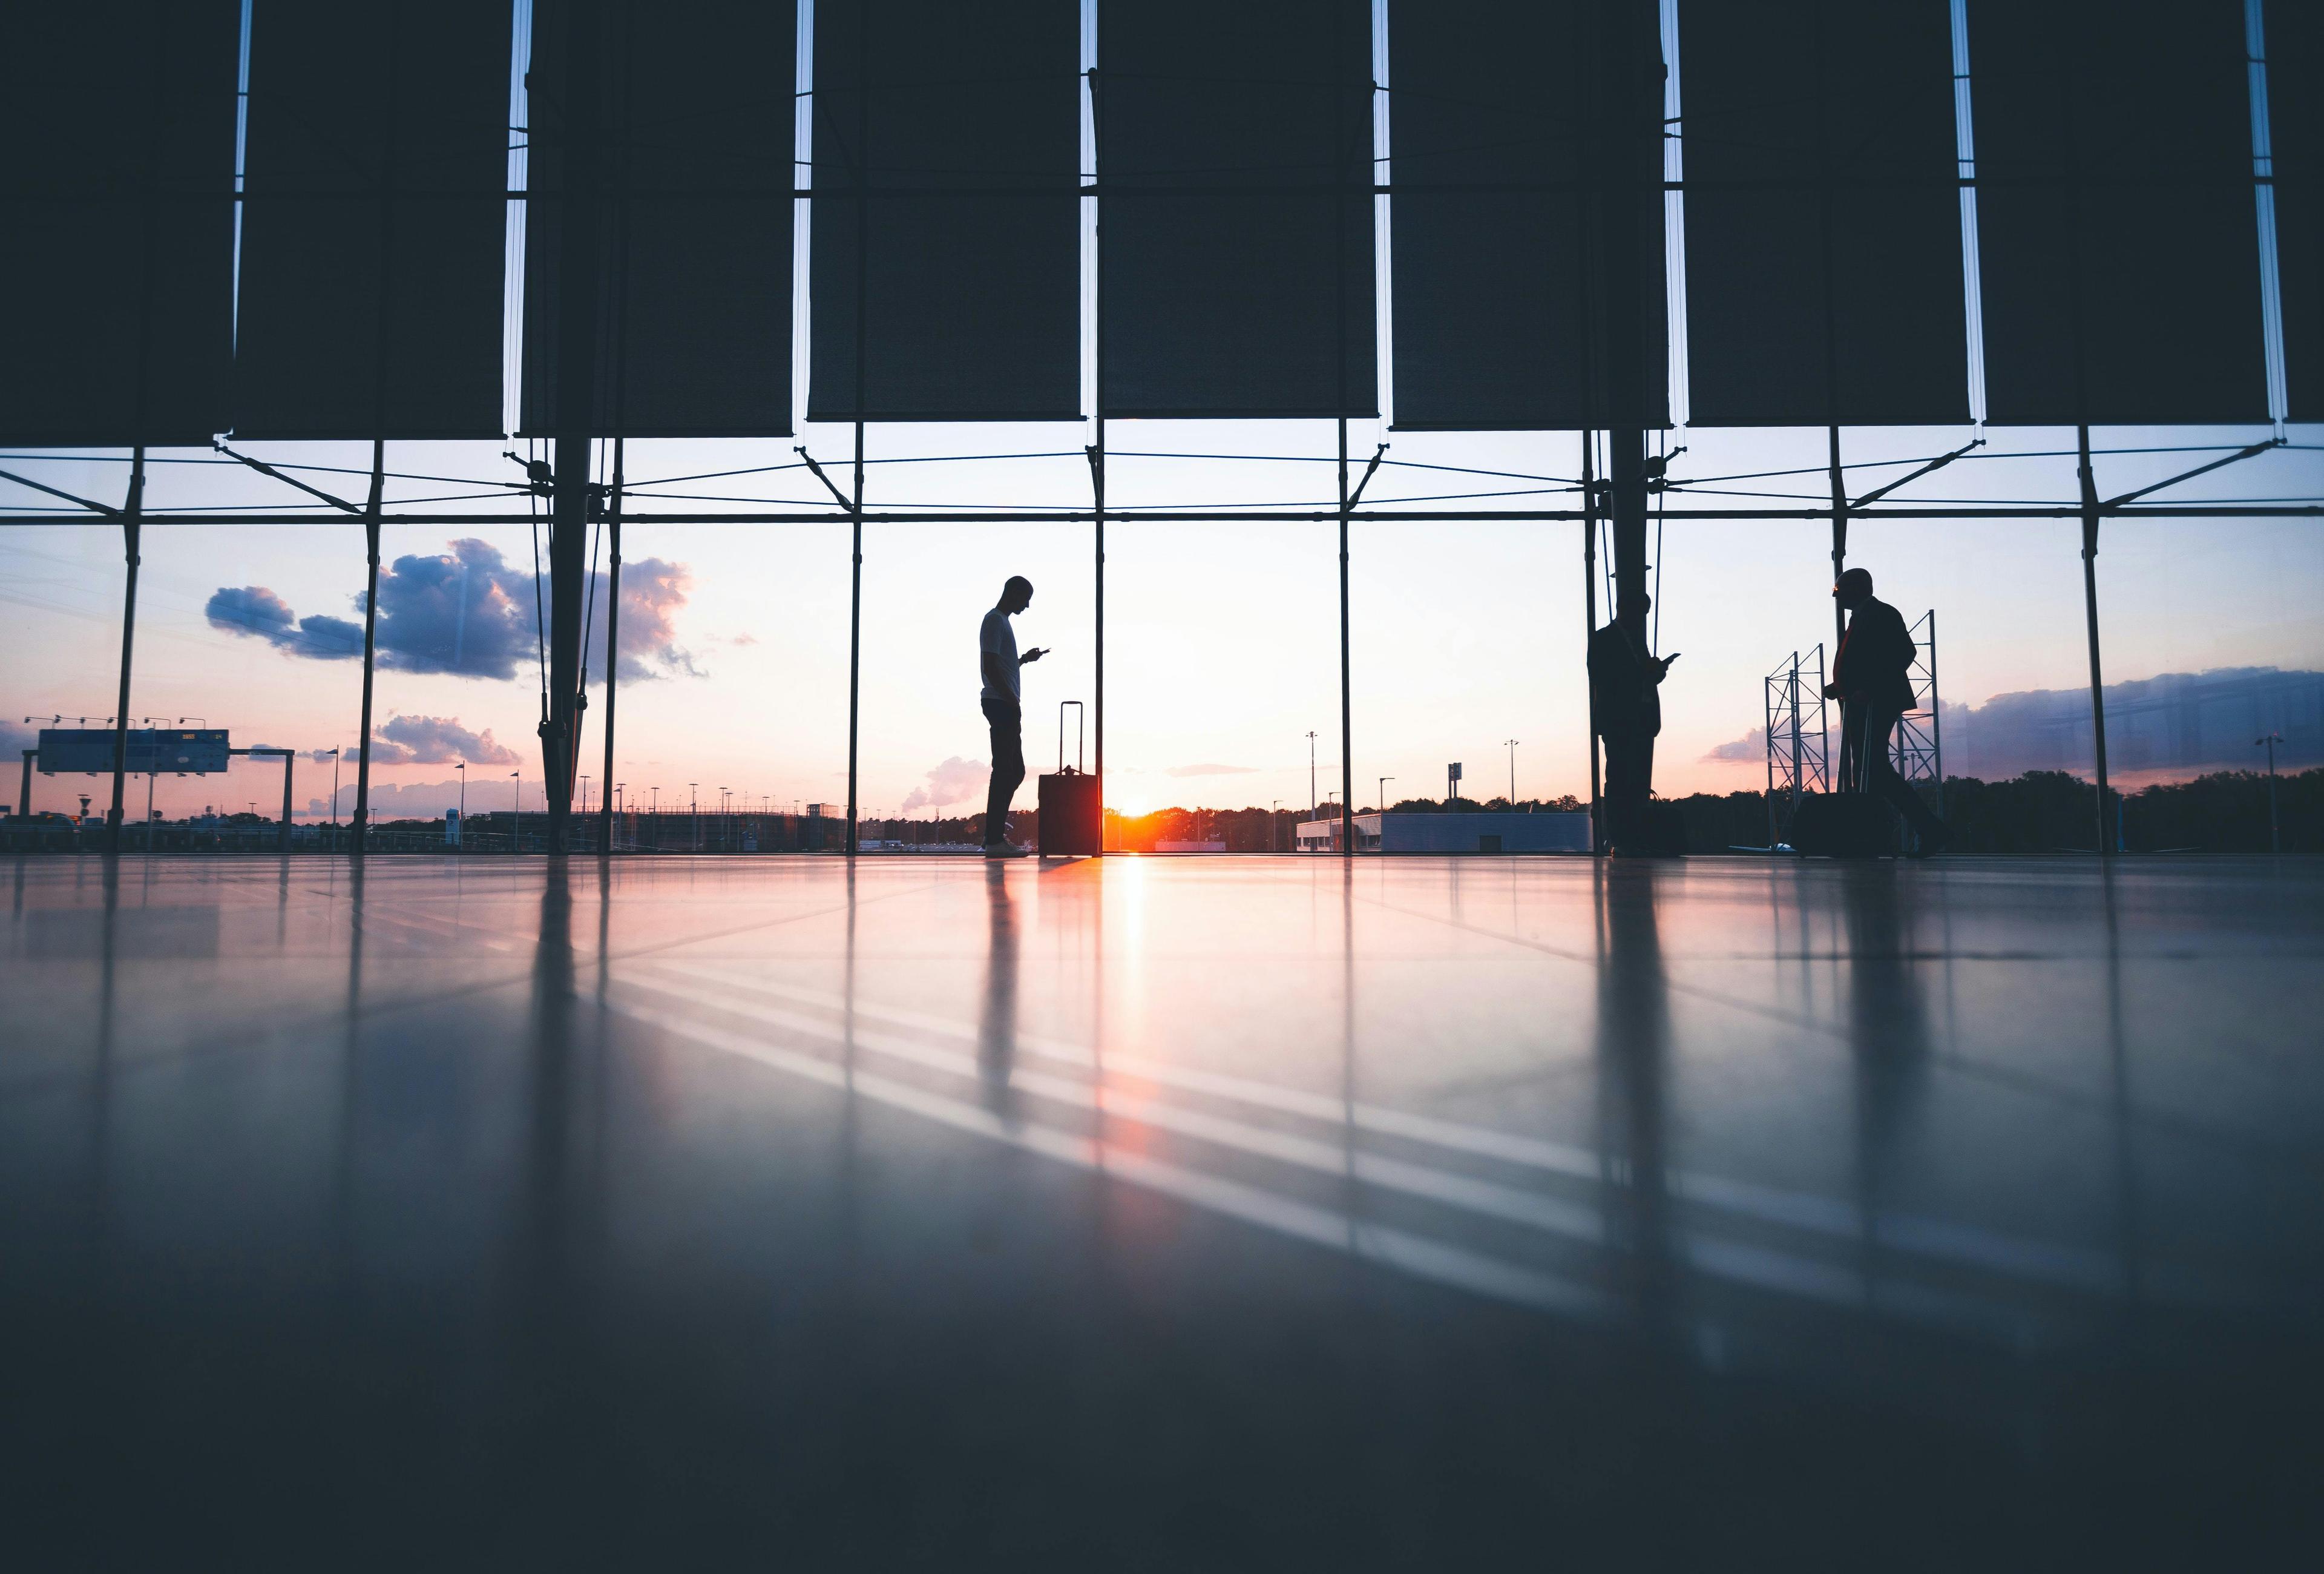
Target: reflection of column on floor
1350, 1200
548, 1272
343, 1183
1887, 1035
1633, 1044
96, 1223
2126, 1159
996, 1028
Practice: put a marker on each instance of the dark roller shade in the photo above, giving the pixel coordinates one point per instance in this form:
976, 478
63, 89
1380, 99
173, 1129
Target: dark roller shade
2295, 105
692, 209
1235, 230
2117, 243
375, 220
1823, 258
1504, 115
117, 221
970, 144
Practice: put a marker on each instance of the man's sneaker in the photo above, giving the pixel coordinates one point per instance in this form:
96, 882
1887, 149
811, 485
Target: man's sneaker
1006, 850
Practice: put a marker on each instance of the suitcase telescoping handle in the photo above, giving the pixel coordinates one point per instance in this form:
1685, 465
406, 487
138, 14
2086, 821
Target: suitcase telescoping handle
1080, 716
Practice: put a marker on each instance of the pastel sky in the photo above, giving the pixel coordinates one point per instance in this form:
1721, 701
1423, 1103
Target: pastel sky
1222, 640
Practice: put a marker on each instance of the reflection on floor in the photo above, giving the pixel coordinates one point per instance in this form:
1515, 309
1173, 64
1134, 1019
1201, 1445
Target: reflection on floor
1169, 1213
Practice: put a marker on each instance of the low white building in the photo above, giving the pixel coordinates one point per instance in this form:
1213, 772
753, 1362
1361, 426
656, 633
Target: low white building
1477, 831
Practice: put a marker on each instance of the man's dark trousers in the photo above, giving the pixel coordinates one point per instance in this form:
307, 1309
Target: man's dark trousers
1865, 727
1629, 783
1008, 765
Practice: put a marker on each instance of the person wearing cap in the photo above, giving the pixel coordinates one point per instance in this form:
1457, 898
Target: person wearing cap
1626, 710
1872, 678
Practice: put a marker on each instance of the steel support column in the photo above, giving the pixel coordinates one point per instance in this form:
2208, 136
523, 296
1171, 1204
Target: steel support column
1347, 704
1097, 451
1617, 158
2090, 615
1590, 618
1839, 539
613, 647
855, 573
577, 309
131, 515
361, 818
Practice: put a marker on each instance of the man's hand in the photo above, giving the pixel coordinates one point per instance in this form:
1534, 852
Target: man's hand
1034, 654
1662, 665
1831, 691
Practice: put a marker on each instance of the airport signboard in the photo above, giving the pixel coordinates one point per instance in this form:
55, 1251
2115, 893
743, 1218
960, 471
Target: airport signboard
156, 751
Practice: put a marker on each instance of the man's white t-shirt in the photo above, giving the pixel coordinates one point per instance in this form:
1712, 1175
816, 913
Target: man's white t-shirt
997, 637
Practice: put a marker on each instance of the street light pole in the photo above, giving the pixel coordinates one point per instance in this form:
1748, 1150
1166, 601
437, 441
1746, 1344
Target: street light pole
1311, 775
2274, 834
462, 845
1384, 781
1513, 772
516, 830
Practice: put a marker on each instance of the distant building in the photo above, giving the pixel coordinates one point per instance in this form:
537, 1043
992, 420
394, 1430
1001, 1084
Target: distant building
1482, 831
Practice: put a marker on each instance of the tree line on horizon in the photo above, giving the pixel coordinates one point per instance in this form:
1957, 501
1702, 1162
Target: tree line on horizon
2039, 812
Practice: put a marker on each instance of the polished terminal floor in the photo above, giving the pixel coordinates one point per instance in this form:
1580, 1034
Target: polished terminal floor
1162, 1213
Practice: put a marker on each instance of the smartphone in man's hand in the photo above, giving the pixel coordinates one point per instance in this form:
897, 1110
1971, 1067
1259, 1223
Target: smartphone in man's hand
1034, 654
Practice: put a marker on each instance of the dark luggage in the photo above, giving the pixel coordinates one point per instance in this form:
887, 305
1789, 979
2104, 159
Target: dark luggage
1842, 825
1072, 814
1665, 830
1848, 824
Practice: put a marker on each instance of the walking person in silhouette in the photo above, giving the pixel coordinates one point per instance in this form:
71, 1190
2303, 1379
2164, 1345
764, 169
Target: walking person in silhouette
1872, 678
997, 658
1625, 710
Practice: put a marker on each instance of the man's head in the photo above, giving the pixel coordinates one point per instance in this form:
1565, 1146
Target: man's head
1017, 595
1631, 606
1854, 590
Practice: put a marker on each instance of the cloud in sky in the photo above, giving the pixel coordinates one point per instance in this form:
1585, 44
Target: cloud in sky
468, 612
1211, 770
955, 780
1751, 747
436, 740
15, 739
2173, 725
260, 613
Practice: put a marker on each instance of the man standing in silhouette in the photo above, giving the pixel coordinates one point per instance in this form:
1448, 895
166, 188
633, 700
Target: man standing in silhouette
1626, 710
1872, 678
997, 658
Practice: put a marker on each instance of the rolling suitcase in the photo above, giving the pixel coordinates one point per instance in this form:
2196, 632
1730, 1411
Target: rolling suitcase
1848, 824
1841, 825
1073, 815
1665, 829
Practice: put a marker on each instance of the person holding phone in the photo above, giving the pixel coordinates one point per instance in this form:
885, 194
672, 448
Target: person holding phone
1872, 678
1003, 702
1626, 710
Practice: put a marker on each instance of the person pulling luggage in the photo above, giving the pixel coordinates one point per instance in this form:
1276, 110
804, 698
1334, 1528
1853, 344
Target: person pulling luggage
1872, 678
1003, 705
